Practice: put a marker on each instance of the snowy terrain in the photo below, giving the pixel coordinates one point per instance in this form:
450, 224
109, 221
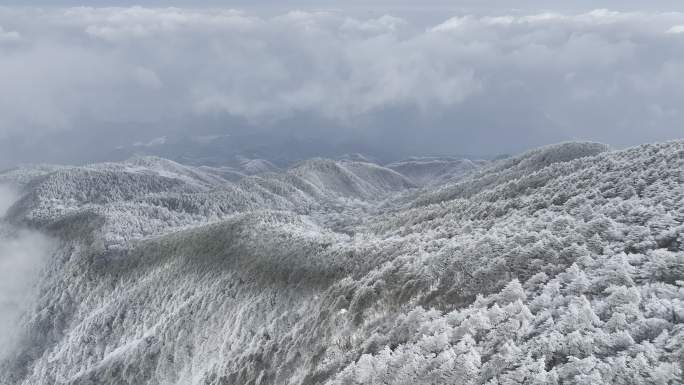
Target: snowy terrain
563, 265
428, 170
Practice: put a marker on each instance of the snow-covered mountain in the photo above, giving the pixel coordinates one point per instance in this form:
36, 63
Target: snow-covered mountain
563, 265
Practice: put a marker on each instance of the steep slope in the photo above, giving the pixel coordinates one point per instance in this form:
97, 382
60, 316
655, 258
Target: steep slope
561, 265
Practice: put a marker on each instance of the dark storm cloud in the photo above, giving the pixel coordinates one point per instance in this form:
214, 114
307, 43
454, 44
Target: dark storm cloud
470, 83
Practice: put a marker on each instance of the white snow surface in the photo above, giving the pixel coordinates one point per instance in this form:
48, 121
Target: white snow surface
563, 265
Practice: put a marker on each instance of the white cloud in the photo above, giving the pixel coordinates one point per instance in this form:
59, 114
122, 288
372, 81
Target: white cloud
7, 198
676, 29
9, 36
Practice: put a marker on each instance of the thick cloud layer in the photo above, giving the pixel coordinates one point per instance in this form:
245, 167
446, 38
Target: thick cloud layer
468, 84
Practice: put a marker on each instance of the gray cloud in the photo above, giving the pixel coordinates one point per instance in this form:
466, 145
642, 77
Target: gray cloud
476, 83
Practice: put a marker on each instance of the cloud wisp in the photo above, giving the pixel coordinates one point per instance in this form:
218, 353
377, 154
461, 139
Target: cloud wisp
524, 78
23, 254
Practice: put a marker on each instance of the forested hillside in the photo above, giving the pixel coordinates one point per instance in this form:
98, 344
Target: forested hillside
563, 265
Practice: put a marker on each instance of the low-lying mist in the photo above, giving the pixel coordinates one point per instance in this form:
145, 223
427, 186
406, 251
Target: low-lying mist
8, 196
22, 256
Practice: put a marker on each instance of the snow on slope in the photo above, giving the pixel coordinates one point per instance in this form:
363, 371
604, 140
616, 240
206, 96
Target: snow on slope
257, 166
562, 265
524, 165
431, 171
350, 179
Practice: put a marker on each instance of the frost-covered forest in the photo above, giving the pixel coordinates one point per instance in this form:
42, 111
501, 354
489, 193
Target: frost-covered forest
562, 265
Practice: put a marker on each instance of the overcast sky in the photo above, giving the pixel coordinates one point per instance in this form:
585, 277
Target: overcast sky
504, 5
468, 77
